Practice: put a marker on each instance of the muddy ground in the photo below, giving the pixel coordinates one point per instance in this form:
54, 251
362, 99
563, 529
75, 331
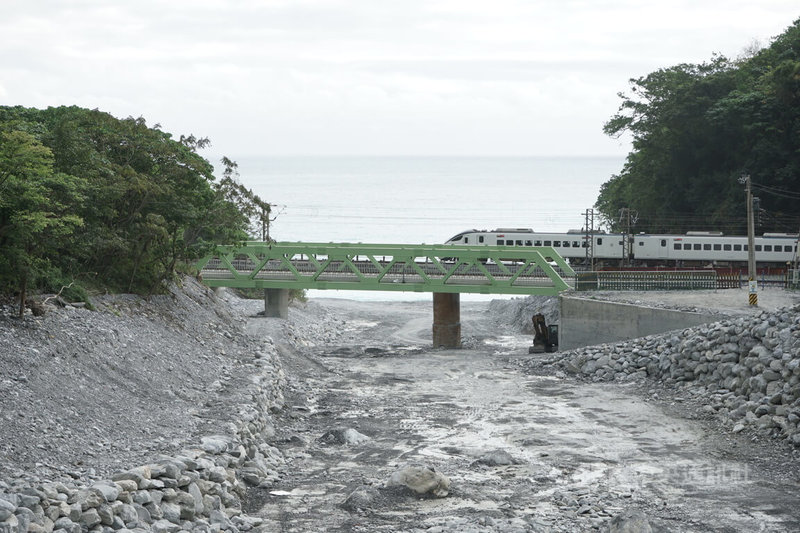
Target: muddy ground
582, 452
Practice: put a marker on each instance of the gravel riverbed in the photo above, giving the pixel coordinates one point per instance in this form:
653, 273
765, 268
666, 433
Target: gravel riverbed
189, 412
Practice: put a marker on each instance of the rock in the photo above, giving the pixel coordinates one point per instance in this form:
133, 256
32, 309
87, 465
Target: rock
343, 436
421, 480
216, 444
6, 509
165, 526
363, 498
11, 524
631, 521
90, 518
109, 490
497, 458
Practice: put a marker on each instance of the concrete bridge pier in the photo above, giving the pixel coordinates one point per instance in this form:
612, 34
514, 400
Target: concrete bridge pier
276, 303
446, 320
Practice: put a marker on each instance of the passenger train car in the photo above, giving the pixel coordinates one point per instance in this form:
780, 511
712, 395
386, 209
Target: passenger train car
691, 249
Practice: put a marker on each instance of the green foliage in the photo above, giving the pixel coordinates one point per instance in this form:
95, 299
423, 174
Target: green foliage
696, 128
35, 209
114, 203
255, 210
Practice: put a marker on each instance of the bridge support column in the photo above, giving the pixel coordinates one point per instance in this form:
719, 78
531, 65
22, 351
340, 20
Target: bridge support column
446, 320
276, 303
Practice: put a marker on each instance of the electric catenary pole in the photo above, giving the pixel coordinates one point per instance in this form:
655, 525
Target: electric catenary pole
751, 250
589, 237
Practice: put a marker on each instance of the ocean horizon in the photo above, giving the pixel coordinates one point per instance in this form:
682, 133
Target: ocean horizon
421, 199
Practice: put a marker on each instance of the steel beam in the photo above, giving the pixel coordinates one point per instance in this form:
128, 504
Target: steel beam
388, 267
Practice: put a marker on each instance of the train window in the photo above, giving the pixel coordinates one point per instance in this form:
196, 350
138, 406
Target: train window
641, 243
528, 243
548, 243
519, 243
745, 247
737, 248
706, 247
585, 244
480, 238
717, 247
576, 244
687, 246
510, 242
663, 242
767, 248
500, 242
621, 243
676, 246
556, 243
726, 247
697, 246
599, 241
537, 243
758, 247
778, 248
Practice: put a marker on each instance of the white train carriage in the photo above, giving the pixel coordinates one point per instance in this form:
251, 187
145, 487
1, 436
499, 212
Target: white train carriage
709, 247
570, 245
691, 248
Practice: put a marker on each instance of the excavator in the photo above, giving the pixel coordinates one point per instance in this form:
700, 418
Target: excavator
545, 337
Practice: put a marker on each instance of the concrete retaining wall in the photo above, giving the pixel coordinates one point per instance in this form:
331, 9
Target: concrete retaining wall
585, 322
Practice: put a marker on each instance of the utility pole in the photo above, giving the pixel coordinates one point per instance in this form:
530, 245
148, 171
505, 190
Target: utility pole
589, 237
751, 249
627, 239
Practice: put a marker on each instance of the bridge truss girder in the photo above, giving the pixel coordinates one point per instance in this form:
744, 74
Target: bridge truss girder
387, 267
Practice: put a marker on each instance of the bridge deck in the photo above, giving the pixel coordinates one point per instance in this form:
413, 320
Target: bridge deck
388, 267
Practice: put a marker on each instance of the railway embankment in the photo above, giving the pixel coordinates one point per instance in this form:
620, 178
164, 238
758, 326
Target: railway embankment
744, 371
145, 415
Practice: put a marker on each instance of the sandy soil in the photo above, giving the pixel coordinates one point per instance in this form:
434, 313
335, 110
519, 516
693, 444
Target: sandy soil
582, 452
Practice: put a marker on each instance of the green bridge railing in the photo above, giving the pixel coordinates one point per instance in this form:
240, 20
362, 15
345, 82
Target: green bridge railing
388, 267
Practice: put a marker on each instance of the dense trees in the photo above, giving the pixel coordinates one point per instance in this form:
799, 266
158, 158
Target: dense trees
110, 202
697, 128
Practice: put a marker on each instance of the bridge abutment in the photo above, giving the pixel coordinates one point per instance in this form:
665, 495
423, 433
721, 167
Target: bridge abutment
276, 303
446, 320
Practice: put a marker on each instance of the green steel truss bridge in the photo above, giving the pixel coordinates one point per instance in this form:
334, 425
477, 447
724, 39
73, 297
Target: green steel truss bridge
387, 267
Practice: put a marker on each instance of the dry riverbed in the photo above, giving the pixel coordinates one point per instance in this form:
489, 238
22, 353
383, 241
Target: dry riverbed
523, 452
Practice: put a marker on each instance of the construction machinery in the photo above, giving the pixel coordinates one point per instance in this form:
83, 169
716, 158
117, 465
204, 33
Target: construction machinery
545, 337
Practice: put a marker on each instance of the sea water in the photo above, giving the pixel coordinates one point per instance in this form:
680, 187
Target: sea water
415, 200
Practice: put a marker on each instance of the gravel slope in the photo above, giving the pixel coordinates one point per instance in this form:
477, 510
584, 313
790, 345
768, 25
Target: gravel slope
87, 393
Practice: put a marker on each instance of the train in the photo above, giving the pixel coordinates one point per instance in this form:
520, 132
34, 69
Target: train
693, 249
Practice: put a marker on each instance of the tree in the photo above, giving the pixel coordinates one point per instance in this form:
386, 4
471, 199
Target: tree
121, 205
696, 128
255, 210
34, 209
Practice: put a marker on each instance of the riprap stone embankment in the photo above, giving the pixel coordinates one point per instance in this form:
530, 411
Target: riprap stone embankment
748, 368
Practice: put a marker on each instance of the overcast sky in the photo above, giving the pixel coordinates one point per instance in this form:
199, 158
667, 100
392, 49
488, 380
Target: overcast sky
367, 77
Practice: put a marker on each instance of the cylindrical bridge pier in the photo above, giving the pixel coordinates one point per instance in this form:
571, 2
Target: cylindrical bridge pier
446, 320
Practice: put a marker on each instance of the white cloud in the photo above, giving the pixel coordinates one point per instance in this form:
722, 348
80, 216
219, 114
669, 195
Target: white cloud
360, 76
